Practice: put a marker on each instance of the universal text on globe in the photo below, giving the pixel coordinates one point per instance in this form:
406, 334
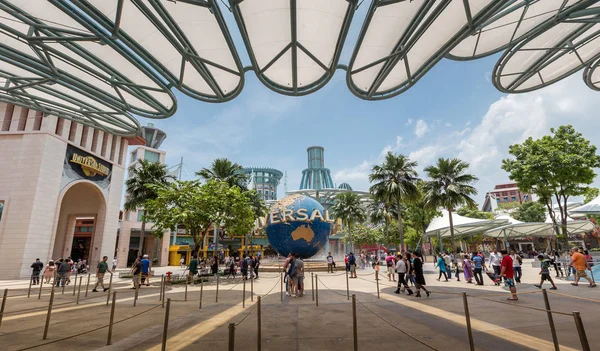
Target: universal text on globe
300, 215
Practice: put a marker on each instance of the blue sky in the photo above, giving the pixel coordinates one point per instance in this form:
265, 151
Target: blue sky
453, 111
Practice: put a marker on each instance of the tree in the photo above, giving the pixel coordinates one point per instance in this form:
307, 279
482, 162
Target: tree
395, 183
473, 212
530, 211
349, 209
554, 167
590, 194
225, 170
362, 234
418, 214
381, 213
140, 190
449, 187
198, 206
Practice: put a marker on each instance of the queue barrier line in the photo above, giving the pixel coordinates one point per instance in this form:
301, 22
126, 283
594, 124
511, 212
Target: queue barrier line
396, 327
521, 306
89, 331
251, 309
333, 291
574, 297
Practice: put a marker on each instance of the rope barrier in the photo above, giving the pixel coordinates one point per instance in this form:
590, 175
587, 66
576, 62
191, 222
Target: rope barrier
521, 306
398, 329
254, 306
574, 297
335, 292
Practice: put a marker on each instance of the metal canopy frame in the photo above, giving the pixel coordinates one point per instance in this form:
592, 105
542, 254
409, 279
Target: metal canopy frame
293, 47
588, 19
83, 11
425, 16
512, 8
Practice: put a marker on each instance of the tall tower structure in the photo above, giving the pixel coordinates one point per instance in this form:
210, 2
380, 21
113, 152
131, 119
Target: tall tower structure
316, 176
264, 180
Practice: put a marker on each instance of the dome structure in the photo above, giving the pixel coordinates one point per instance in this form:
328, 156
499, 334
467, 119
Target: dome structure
345, 186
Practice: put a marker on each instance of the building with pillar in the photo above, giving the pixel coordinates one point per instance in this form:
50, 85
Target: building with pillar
316, 176
264, 180
55, 173
131, 224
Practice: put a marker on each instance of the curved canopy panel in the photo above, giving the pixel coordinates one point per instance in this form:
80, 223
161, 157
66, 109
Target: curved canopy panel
187, 42
518, 229
591, 208
294, 45
401, 40
591, 75
512, 24
574, 226
558, 51
43, 68
440, 226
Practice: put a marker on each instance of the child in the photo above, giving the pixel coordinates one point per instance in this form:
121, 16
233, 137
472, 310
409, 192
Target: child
545, 272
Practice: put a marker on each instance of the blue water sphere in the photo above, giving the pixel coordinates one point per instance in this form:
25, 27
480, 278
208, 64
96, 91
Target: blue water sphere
290, 228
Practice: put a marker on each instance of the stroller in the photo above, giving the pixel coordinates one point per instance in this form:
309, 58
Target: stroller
81, 267
493, 277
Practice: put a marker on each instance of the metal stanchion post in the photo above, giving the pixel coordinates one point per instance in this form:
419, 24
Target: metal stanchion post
41, 284
201, 290
185, 293
585, 345
217, 295
75, 285
468, 317
347, 286
48, 314
377, 281
258, 325
252, 289
244, 294
281, 284
63, 286
162, 283
551, 320
79, 290
112, 318
29, 290
166, 325
109, 288
231, 336
87, 285
354, 323
312, 285
4, 298
135, 295
317, 289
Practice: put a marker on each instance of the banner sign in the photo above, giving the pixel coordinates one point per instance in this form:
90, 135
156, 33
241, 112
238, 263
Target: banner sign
79, 164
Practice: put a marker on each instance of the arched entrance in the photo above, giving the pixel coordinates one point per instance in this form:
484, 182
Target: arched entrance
80, 222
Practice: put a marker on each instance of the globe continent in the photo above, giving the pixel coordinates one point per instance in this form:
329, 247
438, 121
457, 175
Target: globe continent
303, 237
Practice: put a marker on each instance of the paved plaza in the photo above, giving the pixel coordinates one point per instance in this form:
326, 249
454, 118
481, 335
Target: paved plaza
391, 322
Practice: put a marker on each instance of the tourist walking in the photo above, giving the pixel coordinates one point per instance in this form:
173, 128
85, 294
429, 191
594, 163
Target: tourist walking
545, 272
330, 263
389, 261
467, 268
291, 272
101, 269
136, 271
495, 262
441, 265
182, 262
507, 272
478, 267
146, 270
49, 271
299, 275
580, 264
352, 265
36, 268
402, 270
555, 260
114, 264
232, 269
256, 265
448, 262
193, 269
517, 261
63, 270
419, 276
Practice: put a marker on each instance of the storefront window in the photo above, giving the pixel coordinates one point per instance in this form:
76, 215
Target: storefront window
140, 214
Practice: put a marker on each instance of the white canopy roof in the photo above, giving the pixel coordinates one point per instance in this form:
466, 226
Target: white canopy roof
517, 228
591, 208
574, 226
440, 226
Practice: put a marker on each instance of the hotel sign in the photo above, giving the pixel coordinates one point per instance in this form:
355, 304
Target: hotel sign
85, 165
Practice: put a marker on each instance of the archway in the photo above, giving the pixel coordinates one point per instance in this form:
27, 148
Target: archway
82, 204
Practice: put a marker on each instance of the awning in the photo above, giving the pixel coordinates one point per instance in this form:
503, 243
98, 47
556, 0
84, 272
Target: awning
591, 208
440, 226
518, 229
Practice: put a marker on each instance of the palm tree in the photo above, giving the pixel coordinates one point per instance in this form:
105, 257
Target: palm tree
225, 170
380, 212
138, 190
394, 183
349, 209
449, 187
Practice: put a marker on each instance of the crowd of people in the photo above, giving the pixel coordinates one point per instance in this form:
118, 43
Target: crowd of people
293, 268
61, 270
247, 265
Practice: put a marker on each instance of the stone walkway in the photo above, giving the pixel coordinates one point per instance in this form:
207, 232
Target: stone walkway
391, 322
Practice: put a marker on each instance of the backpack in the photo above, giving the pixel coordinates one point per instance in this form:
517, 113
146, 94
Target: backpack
245, 263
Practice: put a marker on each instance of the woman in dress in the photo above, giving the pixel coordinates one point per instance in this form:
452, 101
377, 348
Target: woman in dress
467, 269
49, 271
417, 267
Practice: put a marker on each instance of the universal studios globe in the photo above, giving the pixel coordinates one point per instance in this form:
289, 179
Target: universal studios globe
298, 224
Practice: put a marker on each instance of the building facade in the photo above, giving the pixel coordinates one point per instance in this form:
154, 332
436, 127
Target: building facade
54, 173
316, 176
502, 194
264, 180
128, 246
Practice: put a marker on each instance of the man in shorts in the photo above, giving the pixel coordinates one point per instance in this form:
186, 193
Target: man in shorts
352, 264
101, 269
507, 272
545, 272
299, 275
193, 270
580, 264
329, 263
146, 270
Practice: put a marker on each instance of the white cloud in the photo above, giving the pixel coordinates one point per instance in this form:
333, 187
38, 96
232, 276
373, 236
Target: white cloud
409, 122
391, 148
425, 155
421, 128
358, 175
